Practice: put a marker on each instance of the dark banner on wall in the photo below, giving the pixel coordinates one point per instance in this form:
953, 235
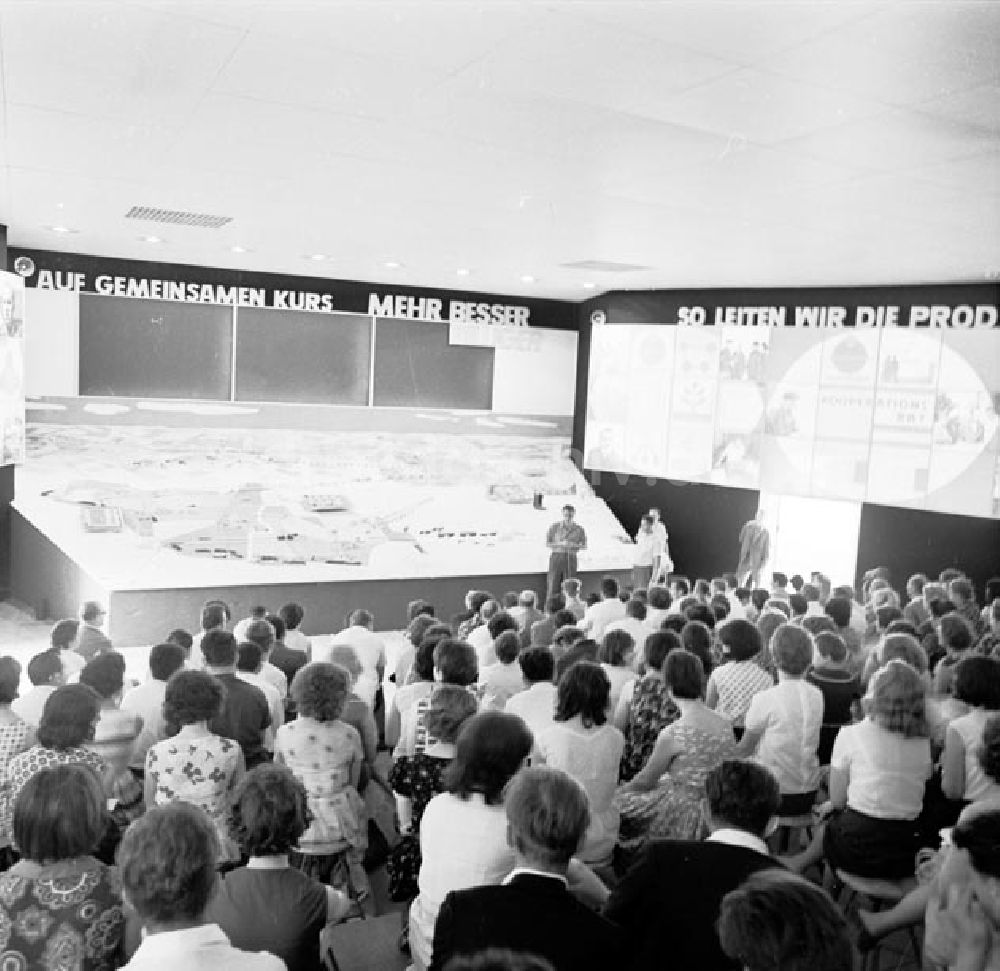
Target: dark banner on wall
107, 276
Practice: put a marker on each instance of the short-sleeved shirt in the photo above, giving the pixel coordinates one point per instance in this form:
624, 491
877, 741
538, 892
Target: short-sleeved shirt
737, 682
14, 736
978, 785
886, 771
840, 690
23, 766
790, 716
244, 717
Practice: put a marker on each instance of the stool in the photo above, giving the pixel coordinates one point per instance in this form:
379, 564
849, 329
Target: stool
789, 826
881, 893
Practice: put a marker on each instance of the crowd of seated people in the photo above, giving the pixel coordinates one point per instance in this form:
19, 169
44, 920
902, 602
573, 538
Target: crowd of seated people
619, 764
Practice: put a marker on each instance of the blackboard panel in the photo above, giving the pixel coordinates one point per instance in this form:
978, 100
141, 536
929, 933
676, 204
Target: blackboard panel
154, 348
416, 366
306, 358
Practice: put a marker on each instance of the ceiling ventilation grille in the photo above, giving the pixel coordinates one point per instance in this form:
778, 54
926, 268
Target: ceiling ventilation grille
177, 218
604, 266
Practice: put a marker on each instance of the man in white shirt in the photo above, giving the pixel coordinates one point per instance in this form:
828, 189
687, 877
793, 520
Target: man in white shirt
647, 553
242, 626
249, 662
481, 638
537, 703
370, 650
261, 633
215, 615
634, 622
45, 672
663, 565
571, 592
607, 609
146, 700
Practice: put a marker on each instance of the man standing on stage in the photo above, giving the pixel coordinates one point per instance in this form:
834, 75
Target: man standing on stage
647, 554
755, 548
663, 565
565, 539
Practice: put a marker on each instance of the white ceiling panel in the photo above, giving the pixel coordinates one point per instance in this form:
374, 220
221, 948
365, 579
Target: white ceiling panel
717, 142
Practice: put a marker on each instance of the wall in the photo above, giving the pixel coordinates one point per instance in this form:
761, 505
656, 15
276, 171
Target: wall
6, 479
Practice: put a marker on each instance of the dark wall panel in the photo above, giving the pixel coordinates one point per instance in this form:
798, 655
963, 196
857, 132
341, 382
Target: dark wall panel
909, 541
154, 348
415, 366
307, 358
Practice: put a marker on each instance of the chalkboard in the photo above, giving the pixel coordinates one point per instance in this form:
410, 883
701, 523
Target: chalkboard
308, 358
154, 348
416, 366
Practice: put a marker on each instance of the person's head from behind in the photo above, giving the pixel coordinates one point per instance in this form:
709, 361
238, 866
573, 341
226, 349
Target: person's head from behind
499, 622
69, 717
291, 614
554, 604
955, 633
344, 656
10, 678
719, 605
742, 795
491, 747
219, 648
59, 814
507, 646
320, 691
973, 862
214, 614
778, 921
902, 647
105, 673
566, 637
249, 658
960, 592
977, 682
167, 861
278, 626
361, 618
489, 610
563, 618
91, 612
915, 585
261, 633
740, 640
547, 817
192, 697
798, 605
418, 627
831, 648
455, 662
767, 623
609, 588
46, 669
635, 609
778, 606
423, 661
527, 599
779, 581
571, 588
838, 609
449, 708
64, 634
817, 623
537, 665
165, 660
697, 638
182, 639
617, 648
684, 675
758, 597
657, 646
659, 598
897, 700
269, 812
792, 650
584, 691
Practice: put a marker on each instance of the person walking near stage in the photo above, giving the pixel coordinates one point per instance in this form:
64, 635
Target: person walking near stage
564, 539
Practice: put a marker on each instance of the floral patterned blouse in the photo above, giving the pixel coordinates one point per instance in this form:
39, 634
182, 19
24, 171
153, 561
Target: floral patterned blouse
14, 735
65, 916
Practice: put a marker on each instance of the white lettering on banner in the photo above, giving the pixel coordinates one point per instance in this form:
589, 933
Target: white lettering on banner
60, 280
409, 307
962, 316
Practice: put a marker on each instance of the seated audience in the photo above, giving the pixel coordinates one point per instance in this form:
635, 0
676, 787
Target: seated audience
732, 685
117, 731
572, 645
370, 649
547, 820
244, 716
481, 638
645, 710
195, 765
16, 735
777, 920
45, 672
167, 861
324, 753
633, 623
977, 683
665, 798
602, 613
915, 611
582, 743
537, 703
542, 631
839, 610
60, 907
658, 607
674, 890
571, 593
146, 700
466, 621
697, 638
783, 723
616, 655
501, 681
878, 771
798, 606
294, 640
841, 689
463, 831
267, 905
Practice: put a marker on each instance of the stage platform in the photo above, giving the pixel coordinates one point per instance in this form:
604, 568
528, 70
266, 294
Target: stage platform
333, 518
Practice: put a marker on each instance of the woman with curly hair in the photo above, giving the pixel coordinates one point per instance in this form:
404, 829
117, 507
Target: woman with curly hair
878, 771
268, 905
196, 765
325, 755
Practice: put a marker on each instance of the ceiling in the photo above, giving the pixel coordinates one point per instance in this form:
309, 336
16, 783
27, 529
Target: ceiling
712, 144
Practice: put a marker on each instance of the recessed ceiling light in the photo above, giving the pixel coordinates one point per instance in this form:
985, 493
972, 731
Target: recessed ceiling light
463, 271
62, 229
150, 239
238, 249
317, 256
589, 286
527, 278
392, 265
